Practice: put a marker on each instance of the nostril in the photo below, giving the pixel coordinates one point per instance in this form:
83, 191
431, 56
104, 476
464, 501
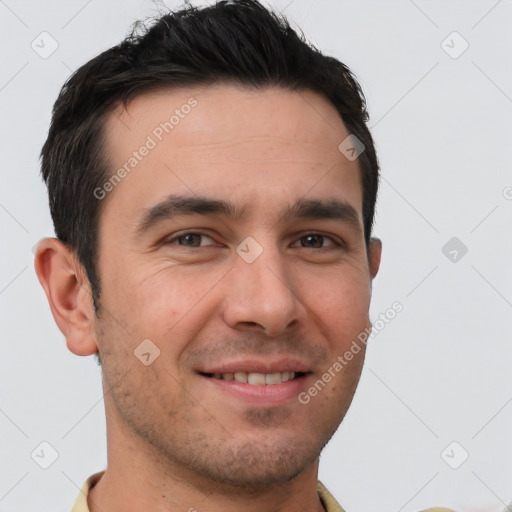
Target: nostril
255, 325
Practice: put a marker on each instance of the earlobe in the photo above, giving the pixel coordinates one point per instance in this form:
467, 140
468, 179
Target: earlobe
67, 291
375, 250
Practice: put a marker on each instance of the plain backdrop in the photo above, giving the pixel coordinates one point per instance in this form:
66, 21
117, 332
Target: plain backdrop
431, 421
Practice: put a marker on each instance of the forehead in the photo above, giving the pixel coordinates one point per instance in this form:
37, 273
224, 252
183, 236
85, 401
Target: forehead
221, 111
248, 144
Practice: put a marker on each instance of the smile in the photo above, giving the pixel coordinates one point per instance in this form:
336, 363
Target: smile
256, 379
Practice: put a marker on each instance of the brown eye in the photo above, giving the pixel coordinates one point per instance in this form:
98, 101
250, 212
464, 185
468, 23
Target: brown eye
191, 240
314, 241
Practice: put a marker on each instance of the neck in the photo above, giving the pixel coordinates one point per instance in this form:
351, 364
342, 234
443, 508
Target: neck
138, 479
114, 495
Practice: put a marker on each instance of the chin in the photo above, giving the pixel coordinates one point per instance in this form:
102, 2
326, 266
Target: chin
256, 467
258, 461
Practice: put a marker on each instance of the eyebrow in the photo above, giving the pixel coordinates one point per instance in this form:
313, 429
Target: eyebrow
176, 205
323, 209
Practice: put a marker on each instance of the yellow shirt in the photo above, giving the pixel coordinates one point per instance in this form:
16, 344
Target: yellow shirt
327, 499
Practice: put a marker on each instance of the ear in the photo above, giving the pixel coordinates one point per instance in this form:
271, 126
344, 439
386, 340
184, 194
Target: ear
375, 252
68, 293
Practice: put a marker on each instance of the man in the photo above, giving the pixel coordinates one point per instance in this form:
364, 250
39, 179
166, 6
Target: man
212, 184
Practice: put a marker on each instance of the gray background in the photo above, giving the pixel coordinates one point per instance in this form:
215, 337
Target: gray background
438, 373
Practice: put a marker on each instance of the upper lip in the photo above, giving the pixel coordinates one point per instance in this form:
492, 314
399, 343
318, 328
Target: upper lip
257, 366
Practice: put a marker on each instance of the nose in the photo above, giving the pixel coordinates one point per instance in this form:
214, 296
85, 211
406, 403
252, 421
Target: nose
261, 297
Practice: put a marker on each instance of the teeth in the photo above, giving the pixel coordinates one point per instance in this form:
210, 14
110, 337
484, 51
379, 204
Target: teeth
273, 378
257, 379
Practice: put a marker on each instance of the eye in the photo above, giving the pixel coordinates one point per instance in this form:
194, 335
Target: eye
316, 241
191, 240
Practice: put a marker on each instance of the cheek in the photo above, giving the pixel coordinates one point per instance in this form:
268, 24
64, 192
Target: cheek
341, 300
167, 303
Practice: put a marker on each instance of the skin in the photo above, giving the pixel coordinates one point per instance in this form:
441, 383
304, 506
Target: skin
174, 440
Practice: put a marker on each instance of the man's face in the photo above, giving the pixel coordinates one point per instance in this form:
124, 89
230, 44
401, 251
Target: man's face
262, 271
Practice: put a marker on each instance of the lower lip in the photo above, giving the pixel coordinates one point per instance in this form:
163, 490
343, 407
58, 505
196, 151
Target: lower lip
261, 395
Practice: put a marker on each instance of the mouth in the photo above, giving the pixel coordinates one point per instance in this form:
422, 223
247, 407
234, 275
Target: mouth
256, 379
257, 384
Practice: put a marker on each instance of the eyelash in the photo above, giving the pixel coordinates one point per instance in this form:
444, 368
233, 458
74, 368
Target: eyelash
312, 233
